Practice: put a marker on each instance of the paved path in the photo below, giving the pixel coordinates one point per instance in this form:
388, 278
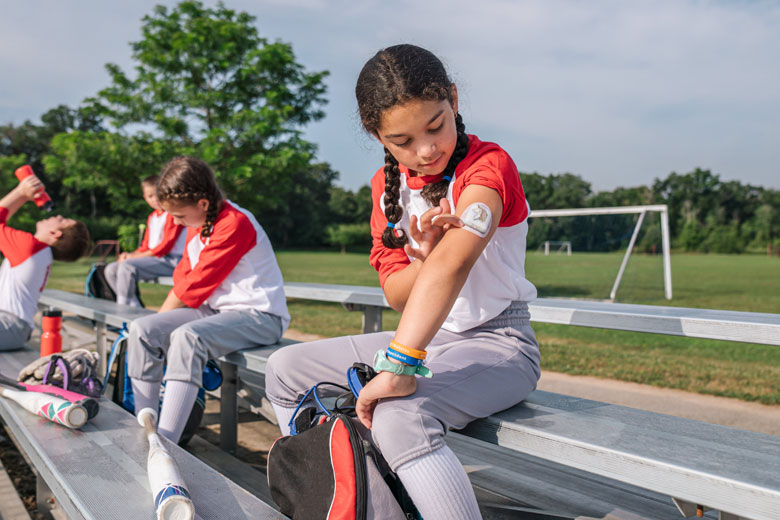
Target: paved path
718, 410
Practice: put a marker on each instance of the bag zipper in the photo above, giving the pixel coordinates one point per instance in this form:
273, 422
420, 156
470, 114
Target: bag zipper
361, 498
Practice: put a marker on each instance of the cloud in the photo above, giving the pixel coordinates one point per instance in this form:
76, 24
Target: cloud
618, 92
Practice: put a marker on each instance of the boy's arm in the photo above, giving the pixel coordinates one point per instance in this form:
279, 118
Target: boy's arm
18, 245
23, 192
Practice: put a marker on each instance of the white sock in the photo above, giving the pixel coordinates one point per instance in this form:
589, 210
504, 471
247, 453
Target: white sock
283, 415
146, 394
439, 486
176, 408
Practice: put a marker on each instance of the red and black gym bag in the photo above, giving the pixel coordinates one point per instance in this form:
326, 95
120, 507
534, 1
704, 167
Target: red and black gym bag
329, 469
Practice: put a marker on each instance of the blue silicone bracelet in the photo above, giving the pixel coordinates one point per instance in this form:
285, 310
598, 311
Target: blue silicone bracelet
403, 358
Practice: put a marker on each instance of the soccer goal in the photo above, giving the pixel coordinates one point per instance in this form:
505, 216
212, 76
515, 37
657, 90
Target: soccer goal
559, 245
622, 210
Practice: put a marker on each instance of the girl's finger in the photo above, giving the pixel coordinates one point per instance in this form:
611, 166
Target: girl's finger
427, 218
452, 220
414, 253
363, 412
414, 231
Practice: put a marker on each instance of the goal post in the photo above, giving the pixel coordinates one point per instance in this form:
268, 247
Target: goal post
663, 209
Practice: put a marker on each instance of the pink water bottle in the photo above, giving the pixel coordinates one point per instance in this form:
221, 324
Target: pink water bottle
51, 338
43, 200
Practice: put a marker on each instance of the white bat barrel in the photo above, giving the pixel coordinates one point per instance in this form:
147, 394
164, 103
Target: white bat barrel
171, 498
49, 407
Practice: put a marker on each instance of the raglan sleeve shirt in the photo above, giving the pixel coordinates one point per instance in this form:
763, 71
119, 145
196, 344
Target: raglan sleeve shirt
17, 246
231, 238
385, 260
493, 168
145, 242
171, 233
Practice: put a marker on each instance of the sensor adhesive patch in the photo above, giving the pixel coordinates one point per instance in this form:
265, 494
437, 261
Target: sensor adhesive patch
477, 218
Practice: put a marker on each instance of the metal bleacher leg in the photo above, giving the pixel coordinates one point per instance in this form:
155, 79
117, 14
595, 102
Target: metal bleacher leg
228, 408
372, 319
100, 343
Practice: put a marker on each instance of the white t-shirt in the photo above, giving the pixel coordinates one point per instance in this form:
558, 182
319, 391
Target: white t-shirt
24, 271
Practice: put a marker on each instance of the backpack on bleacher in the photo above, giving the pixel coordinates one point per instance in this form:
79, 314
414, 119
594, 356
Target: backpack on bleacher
96, 285
328, 467
122, 393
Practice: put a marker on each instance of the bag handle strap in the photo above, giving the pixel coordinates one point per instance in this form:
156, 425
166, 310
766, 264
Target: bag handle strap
57, 361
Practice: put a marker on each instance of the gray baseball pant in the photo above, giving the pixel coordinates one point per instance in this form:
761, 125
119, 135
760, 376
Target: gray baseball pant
476, 373
14, 331
186, 338
123, 277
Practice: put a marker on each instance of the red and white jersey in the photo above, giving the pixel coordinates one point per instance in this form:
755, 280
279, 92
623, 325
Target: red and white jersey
498, 276
24, 271
162, 236
235, 268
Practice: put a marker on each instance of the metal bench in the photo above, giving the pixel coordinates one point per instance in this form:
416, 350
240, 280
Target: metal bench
99, 471
107, 313
700, 465
748, 327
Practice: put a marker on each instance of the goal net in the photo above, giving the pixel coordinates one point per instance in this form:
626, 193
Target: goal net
592, 229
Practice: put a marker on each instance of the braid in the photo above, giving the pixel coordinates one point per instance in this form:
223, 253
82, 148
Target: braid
393, 210
434, 192
188, 180
211, 214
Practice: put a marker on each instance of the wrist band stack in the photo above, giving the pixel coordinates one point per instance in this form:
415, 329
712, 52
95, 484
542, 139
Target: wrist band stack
404, 354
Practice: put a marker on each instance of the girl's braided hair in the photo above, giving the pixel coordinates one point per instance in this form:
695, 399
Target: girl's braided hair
188, 180
394, 76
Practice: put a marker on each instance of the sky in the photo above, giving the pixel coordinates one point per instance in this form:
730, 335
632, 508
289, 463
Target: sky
620, 93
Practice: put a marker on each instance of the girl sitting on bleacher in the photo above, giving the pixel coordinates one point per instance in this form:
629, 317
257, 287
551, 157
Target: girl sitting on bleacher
460, 283
227, 295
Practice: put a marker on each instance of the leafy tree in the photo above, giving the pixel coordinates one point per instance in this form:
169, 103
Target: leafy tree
345, 235
206, 82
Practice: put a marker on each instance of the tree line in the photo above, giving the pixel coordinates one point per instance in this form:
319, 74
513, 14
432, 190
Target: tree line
206, 83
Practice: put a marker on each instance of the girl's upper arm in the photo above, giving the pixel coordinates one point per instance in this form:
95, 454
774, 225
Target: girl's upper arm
480, 208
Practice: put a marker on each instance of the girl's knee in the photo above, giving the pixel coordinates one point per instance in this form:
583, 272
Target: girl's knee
139, 329
279, 364
402, 435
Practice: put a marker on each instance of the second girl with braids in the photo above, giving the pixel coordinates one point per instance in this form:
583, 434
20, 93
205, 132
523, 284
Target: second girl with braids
458, 280
227, 295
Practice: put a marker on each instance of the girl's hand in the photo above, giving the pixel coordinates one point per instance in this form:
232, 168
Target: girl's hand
122, 257
383, 385
432, 226
30, 187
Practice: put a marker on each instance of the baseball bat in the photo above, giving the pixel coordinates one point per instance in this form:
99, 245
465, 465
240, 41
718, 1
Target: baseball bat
90, 404
49, 407
171, 498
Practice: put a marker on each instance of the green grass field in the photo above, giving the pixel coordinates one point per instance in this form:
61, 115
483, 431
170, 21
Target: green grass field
739, 282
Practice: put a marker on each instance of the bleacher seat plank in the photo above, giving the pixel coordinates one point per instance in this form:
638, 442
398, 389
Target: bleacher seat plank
11, 505
96, 309
554, 488
99, 471
748, 327
724, 468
